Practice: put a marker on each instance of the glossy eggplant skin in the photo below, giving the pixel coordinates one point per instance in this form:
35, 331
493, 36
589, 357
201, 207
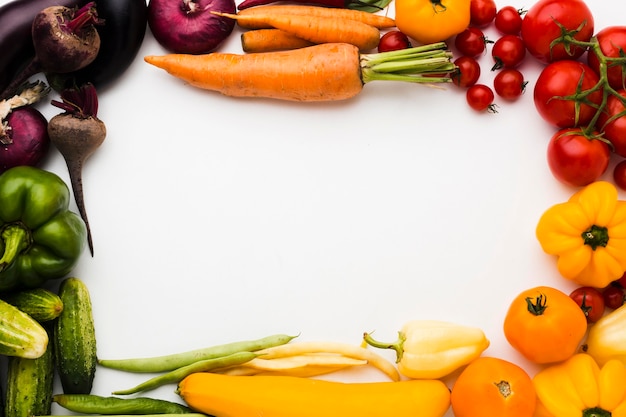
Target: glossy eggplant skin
121, 36
16, 43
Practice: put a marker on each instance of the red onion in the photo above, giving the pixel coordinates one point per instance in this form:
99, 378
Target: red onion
189, 26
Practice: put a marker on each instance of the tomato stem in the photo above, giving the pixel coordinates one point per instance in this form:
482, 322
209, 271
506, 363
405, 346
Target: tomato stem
538, 307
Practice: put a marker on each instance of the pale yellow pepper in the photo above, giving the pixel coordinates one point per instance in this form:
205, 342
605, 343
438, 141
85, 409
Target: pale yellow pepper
430, 349
606, 339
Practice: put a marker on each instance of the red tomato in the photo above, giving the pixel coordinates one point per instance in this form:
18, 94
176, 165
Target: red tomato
612, 41
509, 83
619, 175
621, 281
540, 28
591, 301
480, 98
482, 12
508, 52
613, 296
559, 80
575, 159
471, 42
467, 72
615, 129
509, 20
393, 41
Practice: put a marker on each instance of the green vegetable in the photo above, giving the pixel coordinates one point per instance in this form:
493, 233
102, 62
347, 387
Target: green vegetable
20, 334
75, 338
40, 239
177, 360
29, 385
41, 304
94, 404
179, 374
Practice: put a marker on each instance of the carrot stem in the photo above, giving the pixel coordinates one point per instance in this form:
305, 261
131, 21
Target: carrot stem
410, 65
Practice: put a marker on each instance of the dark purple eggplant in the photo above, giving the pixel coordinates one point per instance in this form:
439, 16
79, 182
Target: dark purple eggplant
121, 36
16, 43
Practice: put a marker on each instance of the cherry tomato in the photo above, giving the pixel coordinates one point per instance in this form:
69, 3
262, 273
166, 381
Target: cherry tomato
471, 42
575, 159
508, 20
482, 12
480, 98
613, 296
612, 41
508, 52
591, 301
540, 28
509, 83
561, 79
619, 175
614, 129
393, 41
621, 281
467, 72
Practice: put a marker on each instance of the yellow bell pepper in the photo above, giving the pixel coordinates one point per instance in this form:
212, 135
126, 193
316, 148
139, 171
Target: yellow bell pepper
587, 234
578, 387
429, 21
430, 349
606, 339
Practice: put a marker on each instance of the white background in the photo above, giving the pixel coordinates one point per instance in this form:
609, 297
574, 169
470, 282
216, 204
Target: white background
217, 219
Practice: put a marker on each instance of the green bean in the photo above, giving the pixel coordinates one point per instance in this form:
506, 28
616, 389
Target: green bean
94, 404
174, 361
177, 375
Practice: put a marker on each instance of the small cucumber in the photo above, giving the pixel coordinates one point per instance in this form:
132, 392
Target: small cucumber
41, 304
29, 385
20, 334
75, 338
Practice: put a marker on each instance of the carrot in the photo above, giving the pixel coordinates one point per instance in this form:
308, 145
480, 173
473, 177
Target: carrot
268, 40
378, 21
326, 72
317, 29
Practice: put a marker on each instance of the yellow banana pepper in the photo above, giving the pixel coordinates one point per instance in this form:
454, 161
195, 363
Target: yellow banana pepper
429, 349
429, 21
606, 339
588, 235
578, 387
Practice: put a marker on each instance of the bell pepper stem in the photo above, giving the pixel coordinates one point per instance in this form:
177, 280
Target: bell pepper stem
397, 345
16, 239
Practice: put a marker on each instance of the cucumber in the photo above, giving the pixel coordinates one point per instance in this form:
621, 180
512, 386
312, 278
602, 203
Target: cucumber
20, 334
41, 304
75, 338
29, 385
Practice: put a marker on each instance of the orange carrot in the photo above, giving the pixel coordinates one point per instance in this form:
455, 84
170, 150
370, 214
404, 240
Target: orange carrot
326, 72
269, 40
318, 29
378, 21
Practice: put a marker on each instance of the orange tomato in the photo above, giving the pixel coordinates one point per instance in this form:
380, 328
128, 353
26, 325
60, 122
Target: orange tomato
493, 387
545, 325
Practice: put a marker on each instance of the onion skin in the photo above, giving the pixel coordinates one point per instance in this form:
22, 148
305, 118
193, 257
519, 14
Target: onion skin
28, 136
189, 26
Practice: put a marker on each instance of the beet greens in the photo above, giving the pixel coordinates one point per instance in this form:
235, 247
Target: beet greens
77, 133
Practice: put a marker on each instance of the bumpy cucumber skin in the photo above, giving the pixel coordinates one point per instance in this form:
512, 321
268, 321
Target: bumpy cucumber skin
20, 334
41, 304
75, 338
30, 385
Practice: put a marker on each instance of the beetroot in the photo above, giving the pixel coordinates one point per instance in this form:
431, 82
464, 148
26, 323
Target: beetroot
189, 26
65, 40
24, 137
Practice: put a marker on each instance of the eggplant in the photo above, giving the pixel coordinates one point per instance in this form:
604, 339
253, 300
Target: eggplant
16, 44
121, 37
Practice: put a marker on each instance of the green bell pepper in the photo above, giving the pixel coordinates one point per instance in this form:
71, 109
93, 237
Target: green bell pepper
40, 238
